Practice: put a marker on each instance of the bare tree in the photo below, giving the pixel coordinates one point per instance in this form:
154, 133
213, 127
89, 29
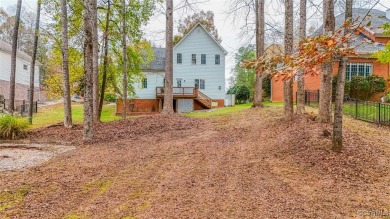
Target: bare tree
124, 44
325, 111
301, 82
13, 58
65, 66
95, 64
105, 58
337, 142
168, 91
288, 49
260, 32
88, 68
32, 68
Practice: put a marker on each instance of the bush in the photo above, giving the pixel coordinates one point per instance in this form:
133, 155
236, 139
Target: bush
12, 127
363, 88
242, 93
110, 97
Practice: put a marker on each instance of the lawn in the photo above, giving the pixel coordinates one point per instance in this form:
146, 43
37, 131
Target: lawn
55, 114
228, 110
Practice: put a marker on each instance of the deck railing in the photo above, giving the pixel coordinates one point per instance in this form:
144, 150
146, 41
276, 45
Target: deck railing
178, 92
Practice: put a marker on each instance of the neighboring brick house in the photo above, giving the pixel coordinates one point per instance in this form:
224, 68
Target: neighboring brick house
363, 64
198, 76
23, 65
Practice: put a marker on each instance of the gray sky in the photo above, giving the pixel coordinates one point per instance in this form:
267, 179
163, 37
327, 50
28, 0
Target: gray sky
228, 30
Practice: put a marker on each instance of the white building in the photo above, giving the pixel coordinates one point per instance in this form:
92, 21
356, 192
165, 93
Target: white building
23, 65
198, 75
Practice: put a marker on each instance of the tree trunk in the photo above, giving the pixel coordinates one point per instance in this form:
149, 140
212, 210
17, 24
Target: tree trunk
337, 142
260, 28
105, 59
12, 80
288, 48
325, 111
65, 66
124, 44
301, 82
32, 68
168, 91
88, 69
95, 64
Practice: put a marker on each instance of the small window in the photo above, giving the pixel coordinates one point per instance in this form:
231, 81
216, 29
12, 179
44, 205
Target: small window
194, 59
25, 67
203, 59
217, 59
200, 84
179, 58
145, 83
358, 69
179, 83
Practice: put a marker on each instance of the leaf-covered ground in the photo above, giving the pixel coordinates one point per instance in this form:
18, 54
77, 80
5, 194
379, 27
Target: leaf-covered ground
248, 164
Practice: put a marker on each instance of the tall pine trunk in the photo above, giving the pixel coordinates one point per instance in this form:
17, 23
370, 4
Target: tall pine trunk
65, 66
301, 80
288, 49
337, 142
325, 110
105, 59
124, 70
260, 28
88, 69
168, 91
95, 64
12, 80
32, 68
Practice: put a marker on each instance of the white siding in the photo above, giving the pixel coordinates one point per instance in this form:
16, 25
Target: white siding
199, 42
154, 80
22, 76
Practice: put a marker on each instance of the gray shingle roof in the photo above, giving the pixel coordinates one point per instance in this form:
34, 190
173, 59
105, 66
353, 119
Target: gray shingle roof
378, 18
158, 64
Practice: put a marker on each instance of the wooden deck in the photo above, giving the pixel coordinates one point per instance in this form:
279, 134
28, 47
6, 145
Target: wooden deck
186, 93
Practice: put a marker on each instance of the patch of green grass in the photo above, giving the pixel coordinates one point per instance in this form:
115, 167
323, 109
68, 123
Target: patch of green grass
100, 184
8, 199
55, 114
74, 216
228, 110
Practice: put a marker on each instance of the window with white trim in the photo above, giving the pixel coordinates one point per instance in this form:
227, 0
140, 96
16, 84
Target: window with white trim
200, 84
358, 69
144, 83
25, 67
179, 58
194, 59
217, 59
203, 59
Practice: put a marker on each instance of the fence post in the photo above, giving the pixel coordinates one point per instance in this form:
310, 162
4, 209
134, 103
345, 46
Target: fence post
22, 108
356, 109
379, 113
36, 106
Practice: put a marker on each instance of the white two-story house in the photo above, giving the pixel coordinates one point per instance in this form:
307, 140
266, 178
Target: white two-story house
198, 75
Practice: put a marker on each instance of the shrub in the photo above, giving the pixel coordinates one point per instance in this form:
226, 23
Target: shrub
364, 87
110, 97
242, 93
12, 127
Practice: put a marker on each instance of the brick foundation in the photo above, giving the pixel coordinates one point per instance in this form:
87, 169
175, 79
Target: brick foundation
21, 92
141, 106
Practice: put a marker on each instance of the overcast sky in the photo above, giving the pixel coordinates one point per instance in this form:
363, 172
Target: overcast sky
229, 30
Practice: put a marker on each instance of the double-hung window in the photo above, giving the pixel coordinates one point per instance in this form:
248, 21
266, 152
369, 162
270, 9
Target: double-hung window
179, 58
203, 59
358, 69
144, 83
200, 84
194, 59
217, 59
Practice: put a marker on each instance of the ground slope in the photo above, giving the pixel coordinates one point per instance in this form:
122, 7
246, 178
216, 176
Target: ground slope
250, 164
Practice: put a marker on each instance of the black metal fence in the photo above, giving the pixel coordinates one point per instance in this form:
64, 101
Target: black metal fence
369, 111
312, 97
21, 107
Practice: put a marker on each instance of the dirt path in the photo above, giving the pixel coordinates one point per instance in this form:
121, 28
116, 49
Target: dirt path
250, 164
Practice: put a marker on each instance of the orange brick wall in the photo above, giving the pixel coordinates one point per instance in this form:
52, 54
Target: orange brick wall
140, 105
312, 82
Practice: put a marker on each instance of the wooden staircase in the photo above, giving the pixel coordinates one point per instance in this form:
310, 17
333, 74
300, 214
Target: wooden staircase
204, 99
